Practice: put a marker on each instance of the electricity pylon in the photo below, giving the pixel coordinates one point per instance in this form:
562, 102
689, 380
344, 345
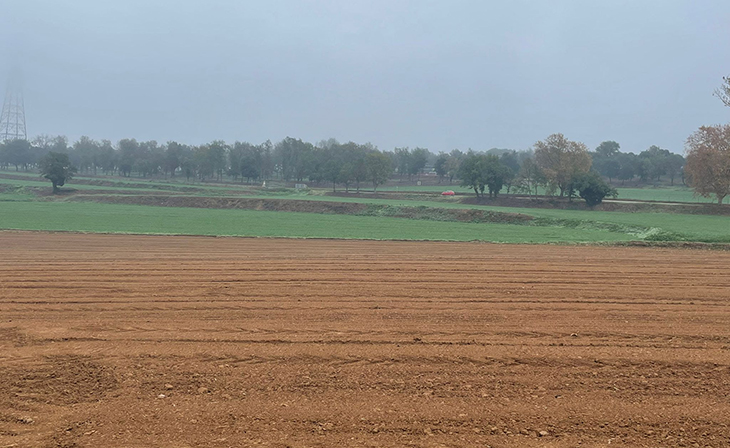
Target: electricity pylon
12, 119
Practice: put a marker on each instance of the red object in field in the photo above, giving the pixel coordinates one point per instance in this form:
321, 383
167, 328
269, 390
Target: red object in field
448, 193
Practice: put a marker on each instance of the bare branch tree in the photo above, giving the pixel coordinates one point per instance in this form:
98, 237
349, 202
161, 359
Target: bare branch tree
723, 92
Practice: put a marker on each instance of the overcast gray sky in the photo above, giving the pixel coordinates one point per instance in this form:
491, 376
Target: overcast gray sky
437, 74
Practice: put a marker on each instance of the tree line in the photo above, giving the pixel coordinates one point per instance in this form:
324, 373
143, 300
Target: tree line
557, 166
554, 166
347, 164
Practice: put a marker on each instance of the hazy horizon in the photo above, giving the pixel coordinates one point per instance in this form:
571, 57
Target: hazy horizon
440, 75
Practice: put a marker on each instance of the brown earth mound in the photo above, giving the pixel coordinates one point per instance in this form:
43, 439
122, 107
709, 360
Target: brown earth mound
139, 341
626, 206
307, 206
279, 205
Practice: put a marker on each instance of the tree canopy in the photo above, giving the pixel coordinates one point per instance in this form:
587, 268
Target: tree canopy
608, 148
708, 161
560, 160
548, 169
378, 168
57, 168
483, 171
592, 188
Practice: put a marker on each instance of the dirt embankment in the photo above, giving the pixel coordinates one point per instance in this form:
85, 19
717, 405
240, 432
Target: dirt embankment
627, 205
307, 206
624, 206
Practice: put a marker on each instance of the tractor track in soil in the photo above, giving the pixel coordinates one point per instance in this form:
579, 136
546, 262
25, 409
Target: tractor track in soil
143, 341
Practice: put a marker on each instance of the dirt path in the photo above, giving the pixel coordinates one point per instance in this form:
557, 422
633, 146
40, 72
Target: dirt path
139, 341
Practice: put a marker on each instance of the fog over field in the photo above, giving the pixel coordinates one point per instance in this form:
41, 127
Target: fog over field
435, 74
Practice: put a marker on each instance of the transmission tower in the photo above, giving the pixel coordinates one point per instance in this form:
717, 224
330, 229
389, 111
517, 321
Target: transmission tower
12, 119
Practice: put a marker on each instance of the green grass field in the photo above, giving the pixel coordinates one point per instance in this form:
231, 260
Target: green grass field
46, 184
21, 209
108, 218
666, 194
662, 194
136, 183
689, 227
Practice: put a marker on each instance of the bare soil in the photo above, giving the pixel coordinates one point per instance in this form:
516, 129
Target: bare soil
311, 206
145, 341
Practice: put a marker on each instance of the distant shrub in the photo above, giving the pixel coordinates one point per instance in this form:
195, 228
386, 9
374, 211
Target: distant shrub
592, 188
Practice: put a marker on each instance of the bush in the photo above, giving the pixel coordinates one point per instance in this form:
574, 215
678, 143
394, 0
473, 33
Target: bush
57, 168
592, 188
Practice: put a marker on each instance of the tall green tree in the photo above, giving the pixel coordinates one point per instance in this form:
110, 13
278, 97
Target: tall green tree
86, 154
418, 161
496, 175
16, 152
128, 149
357, 155
57, 168
673, 166
608, 148
402, 159
249, 165
512, 165
290, 155
453, 164
266, 154
470, 173
629, 166
235, 160
440, 165
173, 159
610, 167
149, 158
530, 177
378, 168
482, 171
217, 153
107, 157
654, 162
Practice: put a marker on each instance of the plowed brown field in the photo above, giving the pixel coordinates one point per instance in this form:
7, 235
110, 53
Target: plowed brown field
142, 341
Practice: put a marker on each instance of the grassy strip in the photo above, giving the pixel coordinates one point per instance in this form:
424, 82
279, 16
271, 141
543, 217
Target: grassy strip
650, 225
8, 183
638, 231
173, 184
659, 194
16, 193
644, 226
327, 207
108, 218
636, 226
